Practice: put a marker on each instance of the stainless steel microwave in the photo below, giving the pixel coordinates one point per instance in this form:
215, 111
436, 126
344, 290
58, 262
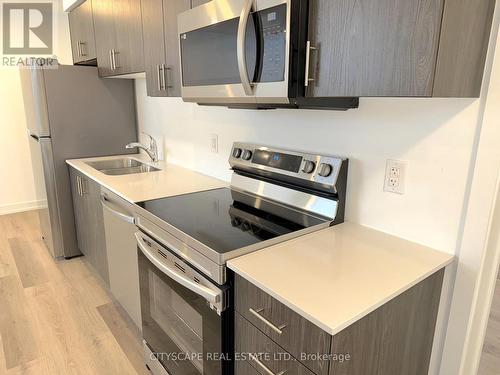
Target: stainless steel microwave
247, 53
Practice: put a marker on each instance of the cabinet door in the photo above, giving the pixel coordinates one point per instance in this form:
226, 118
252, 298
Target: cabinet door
105, 35
171, 8
75, 19
82, 33
80, 210
154, 46
95, 233
373, 48
129, 50
195, 3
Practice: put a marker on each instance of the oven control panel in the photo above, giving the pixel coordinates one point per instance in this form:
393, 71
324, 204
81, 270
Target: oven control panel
322, 169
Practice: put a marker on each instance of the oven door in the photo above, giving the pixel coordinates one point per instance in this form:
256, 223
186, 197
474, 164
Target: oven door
235, 51
182, 314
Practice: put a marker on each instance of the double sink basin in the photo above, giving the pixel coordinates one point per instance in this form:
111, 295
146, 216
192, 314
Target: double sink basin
117, 167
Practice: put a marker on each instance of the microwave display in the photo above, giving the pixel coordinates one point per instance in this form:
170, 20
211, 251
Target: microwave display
273, 26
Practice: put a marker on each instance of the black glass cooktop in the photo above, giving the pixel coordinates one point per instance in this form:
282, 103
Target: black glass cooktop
225, 219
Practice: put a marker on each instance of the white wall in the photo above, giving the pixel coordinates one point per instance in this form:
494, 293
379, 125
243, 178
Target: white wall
17, 192
434, 135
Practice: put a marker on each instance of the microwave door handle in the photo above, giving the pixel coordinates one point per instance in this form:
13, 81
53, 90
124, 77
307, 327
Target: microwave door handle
241, 48
207, 293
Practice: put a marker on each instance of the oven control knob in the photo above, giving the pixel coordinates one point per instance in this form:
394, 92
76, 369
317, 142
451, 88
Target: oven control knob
325, 170
309, 166
247, 155
236, 152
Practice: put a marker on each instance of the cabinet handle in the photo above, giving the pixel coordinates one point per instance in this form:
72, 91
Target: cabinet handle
78, 51
257, 314
167, 77
158, 68
78, 186
266, 369
83, 186
115, 65
309, 48
82, 50
111, 59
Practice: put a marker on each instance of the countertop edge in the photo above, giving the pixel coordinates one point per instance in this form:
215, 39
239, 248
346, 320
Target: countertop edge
346, 323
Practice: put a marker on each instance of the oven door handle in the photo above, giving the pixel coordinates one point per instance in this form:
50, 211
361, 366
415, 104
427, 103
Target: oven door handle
207, 293
241, 47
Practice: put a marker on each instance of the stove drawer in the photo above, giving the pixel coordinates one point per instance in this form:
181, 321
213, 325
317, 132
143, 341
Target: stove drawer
285, 327
264, 355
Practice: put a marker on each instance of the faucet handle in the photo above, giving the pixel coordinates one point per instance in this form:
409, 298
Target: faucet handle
151, 139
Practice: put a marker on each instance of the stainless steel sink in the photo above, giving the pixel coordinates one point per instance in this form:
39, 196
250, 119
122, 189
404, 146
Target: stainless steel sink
116, 167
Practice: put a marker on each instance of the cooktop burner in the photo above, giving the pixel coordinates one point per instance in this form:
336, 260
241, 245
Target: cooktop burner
225, 219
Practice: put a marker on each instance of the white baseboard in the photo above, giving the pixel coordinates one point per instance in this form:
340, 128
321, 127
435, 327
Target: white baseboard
21, 207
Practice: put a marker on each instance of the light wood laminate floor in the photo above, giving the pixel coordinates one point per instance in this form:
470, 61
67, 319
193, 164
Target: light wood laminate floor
490, 359
56, 317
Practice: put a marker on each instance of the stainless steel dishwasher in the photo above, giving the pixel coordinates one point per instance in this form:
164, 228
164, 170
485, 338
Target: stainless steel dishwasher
122, 253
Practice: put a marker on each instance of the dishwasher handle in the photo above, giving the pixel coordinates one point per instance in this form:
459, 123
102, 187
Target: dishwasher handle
115, 210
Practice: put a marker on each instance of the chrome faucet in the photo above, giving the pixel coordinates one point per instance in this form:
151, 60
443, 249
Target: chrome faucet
151, 150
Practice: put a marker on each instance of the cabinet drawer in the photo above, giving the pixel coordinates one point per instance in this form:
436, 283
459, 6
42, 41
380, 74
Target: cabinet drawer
269, 358
285, 327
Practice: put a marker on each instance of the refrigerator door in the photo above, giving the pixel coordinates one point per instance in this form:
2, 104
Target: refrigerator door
35, 102
43, 174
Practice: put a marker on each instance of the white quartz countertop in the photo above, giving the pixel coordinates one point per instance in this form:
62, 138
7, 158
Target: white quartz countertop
171, 180
338, 275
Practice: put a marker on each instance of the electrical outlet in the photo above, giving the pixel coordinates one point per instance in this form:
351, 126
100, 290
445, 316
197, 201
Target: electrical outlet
214, 143
395, 174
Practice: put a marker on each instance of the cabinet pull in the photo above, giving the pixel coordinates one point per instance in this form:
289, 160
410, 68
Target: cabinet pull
309, 48
167, 77
266, 369
257, 314
158, 68
111, 59
82, 50
79, 185
115, 65
78, 51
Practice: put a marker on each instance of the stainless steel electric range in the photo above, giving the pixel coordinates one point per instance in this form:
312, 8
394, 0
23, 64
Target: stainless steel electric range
184, 242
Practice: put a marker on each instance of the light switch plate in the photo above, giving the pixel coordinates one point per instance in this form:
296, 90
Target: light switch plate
395, 176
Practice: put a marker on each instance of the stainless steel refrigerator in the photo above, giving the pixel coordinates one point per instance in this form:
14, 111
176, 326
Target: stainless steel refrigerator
71, 113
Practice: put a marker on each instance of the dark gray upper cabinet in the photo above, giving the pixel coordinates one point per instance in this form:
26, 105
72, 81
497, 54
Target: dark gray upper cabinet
154, 46
118, 33
388, 48
465, 33
81, 27
161, 45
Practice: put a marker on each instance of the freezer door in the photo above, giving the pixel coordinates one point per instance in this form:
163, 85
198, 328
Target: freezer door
35, 101
44, 176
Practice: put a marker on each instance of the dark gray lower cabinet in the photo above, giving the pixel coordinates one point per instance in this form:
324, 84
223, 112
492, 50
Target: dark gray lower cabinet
89, 222
394, 339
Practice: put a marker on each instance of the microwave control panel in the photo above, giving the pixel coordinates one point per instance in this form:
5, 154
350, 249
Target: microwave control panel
273, 24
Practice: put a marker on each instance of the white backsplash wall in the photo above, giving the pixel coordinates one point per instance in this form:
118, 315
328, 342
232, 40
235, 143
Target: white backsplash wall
435, 137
